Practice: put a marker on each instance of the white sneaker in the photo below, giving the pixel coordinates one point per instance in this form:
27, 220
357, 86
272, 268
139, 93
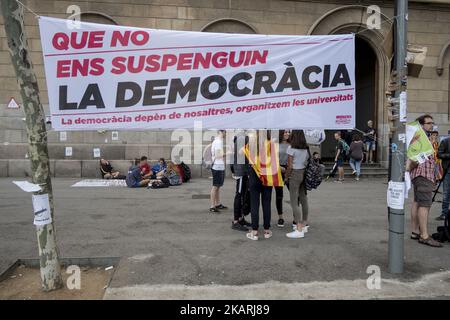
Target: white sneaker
251, 236
305, 229
295, 234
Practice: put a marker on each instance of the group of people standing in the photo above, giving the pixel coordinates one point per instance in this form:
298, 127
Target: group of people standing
260, 165
354, 147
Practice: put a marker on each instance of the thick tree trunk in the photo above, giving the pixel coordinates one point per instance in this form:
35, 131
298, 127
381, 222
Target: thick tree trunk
37, 138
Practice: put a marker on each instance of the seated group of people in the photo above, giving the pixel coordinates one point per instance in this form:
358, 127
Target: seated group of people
162, 174
142, 174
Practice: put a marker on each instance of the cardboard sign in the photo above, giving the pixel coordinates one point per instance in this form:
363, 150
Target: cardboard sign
419, 147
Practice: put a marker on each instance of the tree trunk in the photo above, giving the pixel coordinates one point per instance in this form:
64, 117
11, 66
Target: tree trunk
37, 138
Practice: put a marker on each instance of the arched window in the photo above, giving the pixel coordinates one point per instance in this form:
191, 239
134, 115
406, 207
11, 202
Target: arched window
229, 25
97, 17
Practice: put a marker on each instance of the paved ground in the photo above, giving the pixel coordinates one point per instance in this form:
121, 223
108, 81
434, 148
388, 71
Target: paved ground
168, 238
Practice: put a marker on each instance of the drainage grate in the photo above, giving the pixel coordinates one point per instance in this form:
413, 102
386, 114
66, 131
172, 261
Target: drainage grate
201, 196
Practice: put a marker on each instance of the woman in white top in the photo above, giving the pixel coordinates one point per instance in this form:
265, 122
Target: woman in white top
298, 155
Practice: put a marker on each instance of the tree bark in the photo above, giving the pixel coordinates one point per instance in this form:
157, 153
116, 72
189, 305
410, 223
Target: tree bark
37, 138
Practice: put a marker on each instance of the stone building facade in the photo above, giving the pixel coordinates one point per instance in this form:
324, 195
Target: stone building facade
428, 25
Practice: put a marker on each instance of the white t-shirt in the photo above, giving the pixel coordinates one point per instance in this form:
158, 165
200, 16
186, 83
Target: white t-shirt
301, 157
216, 150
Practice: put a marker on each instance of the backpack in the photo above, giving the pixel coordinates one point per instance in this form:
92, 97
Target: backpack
313, 174
443, 232
207, 157
186, 171
174, 179
346, 147
163, 183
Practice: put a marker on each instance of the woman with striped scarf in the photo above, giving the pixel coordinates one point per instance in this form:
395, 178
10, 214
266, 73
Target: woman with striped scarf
262, 154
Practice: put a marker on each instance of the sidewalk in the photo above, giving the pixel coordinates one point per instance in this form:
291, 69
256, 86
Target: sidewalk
166, 237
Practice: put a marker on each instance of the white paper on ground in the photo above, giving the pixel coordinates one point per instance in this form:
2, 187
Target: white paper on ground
396, 195
100, 183
41, 206
407, 184
27, 186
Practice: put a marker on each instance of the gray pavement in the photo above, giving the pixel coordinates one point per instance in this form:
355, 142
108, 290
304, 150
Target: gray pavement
167, 239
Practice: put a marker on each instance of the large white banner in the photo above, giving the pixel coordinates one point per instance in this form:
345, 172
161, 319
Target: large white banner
114, 77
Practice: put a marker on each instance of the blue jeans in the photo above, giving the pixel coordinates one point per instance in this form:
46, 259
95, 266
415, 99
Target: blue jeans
446, 194
356, 166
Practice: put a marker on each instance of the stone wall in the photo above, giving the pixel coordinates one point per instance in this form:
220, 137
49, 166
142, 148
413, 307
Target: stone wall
429, 25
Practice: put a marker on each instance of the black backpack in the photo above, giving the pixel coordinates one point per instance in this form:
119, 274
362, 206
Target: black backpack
187, 172
163, 183
313, 174
443, 232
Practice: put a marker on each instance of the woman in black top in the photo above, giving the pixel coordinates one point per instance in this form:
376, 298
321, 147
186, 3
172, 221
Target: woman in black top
107, 170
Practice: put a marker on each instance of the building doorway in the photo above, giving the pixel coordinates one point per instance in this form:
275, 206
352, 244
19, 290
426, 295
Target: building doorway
366, 86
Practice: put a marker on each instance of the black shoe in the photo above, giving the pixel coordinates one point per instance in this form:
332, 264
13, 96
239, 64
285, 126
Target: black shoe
280, 223
214, 210
238, 226
244, 222
441, 217
221, 206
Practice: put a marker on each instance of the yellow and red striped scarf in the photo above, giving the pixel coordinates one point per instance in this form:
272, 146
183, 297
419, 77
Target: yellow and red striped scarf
266, 164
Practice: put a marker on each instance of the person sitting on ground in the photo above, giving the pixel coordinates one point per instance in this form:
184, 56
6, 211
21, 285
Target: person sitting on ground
171, 173
159, 168
146, 171
107, 170
134, 178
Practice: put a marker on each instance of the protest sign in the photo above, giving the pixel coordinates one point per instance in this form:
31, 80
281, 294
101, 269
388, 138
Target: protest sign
116, 77
419, 147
